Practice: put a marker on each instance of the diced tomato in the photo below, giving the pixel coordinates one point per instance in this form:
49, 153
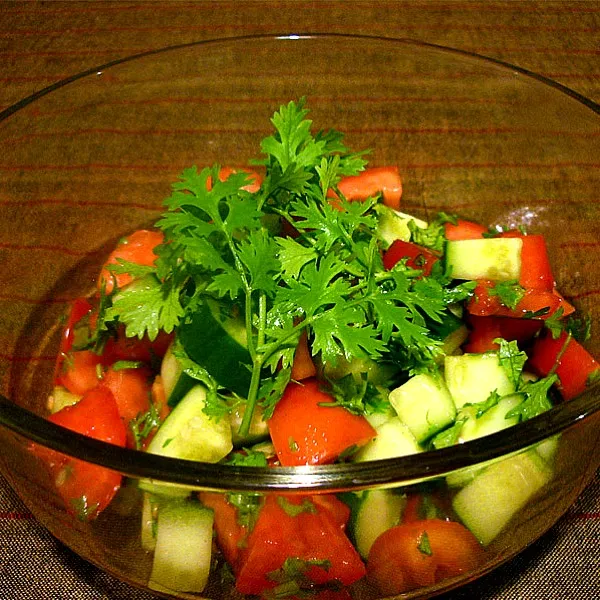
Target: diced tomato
86, 488
384, 180
131, 390
138, 248
80, 308
303, 366
418, 257
80, 371
538, 304
230, 533
574, 365
484, 330
290, 527
338, 510
464, 230
252, 187
143, 350
306, 433
536, 272
420, 554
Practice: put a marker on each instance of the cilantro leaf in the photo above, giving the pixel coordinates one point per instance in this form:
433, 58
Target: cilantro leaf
510, 293
511, 359
536, 399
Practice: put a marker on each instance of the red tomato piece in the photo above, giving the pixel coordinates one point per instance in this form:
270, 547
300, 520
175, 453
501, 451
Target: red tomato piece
484, 330
252, 187
143, 350
464, 230
303, 366
540, 302
79, 371
306, 433
85, 488
418, 257
536, 272
296, 528
384, 180
575, 366
229, 532
131, 389
421, 553
138, 248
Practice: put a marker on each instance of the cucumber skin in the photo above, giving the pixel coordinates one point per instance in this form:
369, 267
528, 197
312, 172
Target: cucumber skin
209, 343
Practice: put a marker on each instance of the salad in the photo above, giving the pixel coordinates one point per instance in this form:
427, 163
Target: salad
293, 315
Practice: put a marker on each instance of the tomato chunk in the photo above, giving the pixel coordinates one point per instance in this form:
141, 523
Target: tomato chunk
384, 180
138, 248
464, 230
85, 488
417, 257
131, 389
421, 553
306, 433
79, 371
536, 272
303, 366
574, 365
484, 330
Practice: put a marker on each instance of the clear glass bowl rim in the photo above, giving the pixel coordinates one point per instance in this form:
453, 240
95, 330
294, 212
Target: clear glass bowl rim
344, 476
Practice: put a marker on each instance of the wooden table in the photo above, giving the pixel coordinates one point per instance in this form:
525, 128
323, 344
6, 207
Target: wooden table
42, 42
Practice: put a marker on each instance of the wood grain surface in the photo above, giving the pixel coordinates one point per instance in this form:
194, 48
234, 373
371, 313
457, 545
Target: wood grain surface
44, 42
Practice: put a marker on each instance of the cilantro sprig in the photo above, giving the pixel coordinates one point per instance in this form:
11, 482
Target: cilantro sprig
328, 280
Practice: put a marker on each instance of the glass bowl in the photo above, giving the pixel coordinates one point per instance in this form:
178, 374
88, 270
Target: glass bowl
92, 157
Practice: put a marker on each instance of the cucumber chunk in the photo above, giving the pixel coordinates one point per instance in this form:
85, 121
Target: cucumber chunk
149, 517
392, 225
424, 405
471, 378
493, 420
498, 259
378, 511
488, 503
176, 383
393, 439
189, 433
183, 551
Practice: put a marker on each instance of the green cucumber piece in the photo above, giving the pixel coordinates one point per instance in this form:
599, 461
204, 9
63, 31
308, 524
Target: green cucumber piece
493, 420
378, 511
183, 551
189, 433
377, 373
259, 428
424, 405
218, 344
498, 259
392, 225
471, 378
176, 383
149, 522
393, 439
488, 503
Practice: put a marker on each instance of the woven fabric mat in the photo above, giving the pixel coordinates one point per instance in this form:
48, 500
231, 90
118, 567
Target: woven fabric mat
42, 42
